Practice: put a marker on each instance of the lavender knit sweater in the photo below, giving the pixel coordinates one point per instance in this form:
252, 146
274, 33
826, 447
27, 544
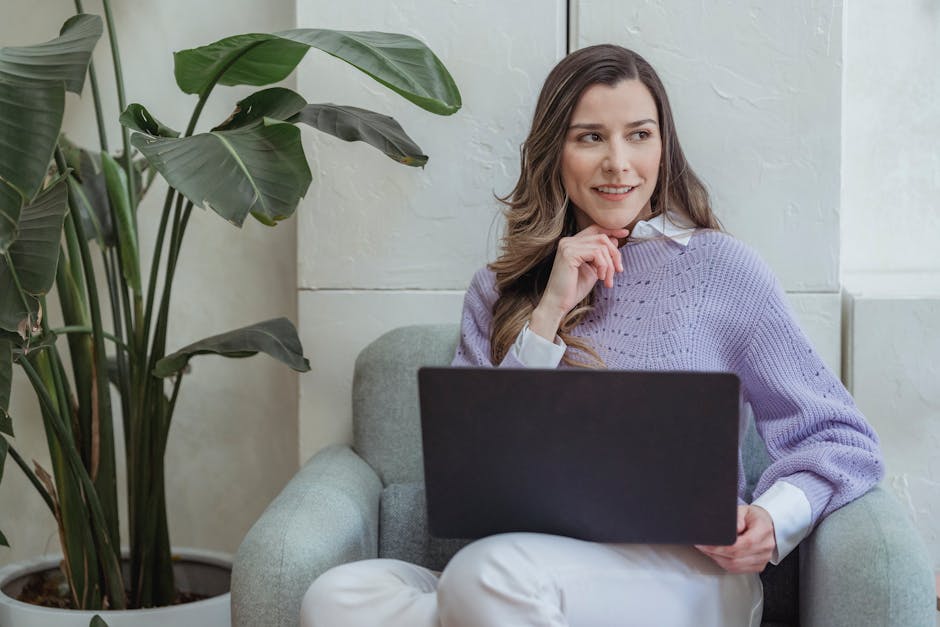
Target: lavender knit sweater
716, 306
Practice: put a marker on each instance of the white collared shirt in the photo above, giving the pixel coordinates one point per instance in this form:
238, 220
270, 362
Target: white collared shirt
787, 504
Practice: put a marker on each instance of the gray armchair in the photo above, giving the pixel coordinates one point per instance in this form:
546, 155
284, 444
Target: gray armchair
863, 565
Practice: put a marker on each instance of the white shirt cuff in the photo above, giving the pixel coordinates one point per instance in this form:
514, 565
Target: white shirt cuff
792, 515
534, 351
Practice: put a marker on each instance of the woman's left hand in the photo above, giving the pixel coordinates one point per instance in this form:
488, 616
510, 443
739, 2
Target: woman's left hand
755, 544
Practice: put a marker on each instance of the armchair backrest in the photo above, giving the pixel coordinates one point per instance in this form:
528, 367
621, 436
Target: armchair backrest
386, 419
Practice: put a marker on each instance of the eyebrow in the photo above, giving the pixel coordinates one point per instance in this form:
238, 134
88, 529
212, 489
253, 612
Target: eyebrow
595, 127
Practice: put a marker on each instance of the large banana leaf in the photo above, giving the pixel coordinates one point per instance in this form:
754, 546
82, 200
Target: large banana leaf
64, 58
258, 169
90, 195
276, 102
401, 63
137, 118
355, 124
33, 257
10, 204
30, 119
89, 192
348, 123
33, 80
116, 180
277, 337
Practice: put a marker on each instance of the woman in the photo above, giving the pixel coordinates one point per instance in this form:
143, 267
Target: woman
613, 258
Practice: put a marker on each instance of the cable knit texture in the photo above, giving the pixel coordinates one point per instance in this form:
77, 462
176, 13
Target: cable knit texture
714, 305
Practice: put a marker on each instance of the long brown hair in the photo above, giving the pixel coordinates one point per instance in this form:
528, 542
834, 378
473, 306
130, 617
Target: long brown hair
538, 212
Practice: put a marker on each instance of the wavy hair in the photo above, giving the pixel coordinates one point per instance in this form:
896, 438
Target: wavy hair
538, 211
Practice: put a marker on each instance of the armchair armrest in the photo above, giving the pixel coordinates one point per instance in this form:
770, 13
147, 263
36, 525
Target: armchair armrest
865, 564
326, 515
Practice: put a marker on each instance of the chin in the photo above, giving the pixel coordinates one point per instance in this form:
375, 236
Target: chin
609, 218
621, 221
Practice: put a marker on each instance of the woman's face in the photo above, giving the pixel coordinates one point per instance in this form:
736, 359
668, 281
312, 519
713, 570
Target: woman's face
611, 154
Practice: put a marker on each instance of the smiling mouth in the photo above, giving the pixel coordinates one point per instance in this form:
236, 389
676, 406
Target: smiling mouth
614, 193
605, 189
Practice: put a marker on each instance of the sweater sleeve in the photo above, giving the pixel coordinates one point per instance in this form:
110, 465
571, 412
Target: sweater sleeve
817, 438
473, 350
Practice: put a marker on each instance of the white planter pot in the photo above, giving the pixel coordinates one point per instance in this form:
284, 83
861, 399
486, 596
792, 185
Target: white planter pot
202, 572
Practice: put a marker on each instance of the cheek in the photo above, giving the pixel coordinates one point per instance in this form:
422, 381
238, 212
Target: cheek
574, 168
652, 164
567, 171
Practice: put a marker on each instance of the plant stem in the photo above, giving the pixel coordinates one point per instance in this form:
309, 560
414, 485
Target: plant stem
107, 485
71, 242
107, 550
152, 574
158, 345
122, 104
171, 407
155, 267
93, 82
33, 479
121, 354
158, 249
63, 400
85, 329
59, 384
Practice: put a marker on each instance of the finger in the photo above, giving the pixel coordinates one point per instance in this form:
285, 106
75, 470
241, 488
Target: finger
617, 256
742, 566
599, 261
742, 518
603, 242
746, 544
611, 269
760, 557
576, 253
719, 553
612, 272
611, 243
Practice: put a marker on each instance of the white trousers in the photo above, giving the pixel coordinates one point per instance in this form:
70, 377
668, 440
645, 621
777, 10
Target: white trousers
530, 579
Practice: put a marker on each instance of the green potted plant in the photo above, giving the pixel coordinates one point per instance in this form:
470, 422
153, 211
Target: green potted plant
62, 208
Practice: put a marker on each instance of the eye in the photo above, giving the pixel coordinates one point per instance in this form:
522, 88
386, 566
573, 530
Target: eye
589, 138
640, 135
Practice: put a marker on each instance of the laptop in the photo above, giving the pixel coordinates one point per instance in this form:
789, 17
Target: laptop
600, 455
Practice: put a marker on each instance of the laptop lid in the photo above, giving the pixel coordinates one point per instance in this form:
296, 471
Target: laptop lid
601, 455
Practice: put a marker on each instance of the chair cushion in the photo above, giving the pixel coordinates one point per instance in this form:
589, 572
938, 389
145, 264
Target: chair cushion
403, 528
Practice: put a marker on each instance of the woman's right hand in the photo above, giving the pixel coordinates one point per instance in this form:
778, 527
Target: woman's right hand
581, 261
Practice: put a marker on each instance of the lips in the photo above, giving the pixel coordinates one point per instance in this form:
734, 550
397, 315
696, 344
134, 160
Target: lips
612, 189
613, 192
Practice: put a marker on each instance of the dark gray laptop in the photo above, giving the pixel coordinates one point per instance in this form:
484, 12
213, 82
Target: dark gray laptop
601, 455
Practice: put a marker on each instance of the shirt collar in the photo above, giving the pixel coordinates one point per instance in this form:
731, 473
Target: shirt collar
678, 228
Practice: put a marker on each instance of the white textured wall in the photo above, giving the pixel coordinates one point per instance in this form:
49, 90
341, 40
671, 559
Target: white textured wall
754, 88
891, 137
890, 233
233, 442
895, 377
380, 244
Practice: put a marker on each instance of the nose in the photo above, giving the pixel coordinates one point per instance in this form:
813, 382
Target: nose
617, 158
